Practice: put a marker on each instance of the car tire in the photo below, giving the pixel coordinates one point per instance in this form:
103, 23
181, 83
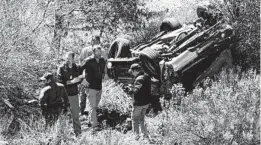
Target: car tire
150, 61
170, 24
120, 48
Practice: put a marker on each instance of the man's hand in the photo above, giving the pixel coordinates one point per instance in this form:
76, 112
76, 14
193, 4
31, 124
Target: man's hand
76, 80
128, 88
106, 77
154, 80
81, 76
85, 83
73, 81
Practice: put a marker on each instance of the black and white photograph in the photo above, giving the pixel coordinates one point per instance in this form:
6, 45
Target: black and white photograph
130, 72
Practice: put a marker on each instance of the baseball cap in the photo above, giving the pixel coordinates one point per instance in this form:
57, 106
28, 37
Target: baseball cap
47, 76
134, 66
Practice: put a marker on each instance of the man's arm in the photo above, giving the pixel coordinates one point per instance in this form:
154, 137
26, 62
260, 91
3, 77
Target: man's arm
61, 79
105, 69
137, 85
104, 73
82, 70
80, 75
43, 96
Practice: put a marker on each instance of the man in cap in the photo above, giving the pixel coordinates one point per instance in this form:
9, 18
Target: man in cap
68, 74
141, 91
53, 99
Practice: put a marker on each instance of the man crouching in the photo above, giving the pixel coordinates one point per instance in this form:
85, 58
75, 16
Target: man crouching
53, 99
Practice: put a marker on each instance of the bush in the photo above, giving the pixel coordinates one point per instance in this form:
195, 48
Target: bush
145, 34
224, 112
62, 133
245, 19
114, 98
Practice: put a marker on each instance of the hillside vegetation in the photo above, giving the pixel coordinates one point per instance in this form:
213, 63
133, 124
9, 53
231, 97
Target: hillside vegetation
225, 111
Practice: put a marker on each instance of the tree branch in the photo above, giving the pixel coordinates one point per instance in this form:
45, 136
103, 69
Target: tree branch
103, 23
44, 14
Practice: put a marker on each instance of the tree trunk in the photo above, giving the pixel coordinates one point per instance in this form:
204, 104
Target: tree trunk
58, 29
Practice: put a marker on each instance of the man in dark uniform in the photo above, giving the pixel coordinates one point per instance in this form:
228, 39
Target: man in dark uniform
53, 99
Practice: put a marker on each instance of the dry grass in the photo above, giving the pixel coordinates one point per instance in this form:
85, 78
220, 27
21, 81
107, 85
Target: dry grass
224, 112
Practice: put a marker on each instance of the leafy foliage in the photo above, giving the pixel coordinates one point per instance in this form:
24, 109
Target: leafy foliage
224, 112
245, 19
114, 98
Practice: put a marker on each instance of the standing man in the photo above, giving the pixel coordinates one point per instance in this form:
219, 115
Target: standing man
96, 40
53, 99
95, 72
68, 74
141, 91
85, 53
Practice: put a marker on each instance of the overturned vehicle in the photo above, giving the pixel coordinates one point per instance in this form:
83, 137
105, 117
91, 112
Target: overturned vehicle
185, 54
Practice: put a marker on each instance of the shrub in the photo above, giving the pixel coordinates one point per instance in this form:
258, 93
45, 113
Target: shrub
225, 112
244, 17
114, 98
